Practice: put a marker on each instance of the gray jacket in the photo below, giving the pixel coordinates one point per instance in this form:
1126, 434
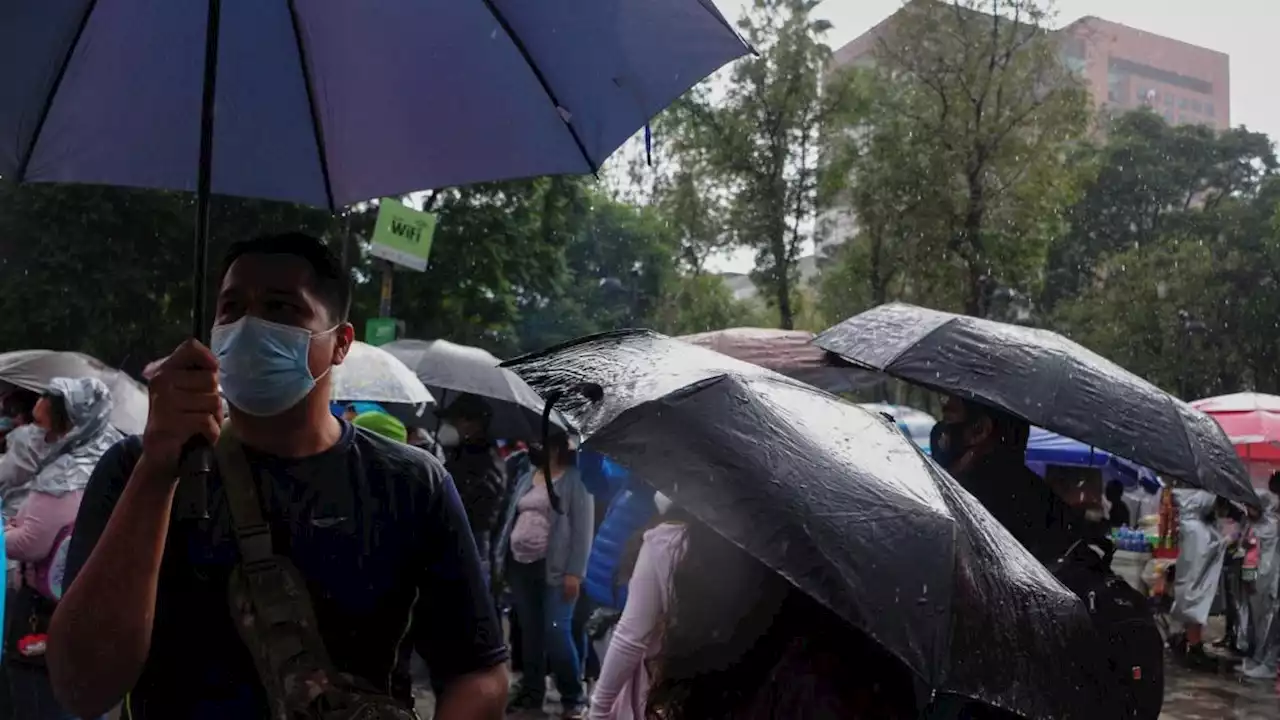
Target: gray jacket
569, 537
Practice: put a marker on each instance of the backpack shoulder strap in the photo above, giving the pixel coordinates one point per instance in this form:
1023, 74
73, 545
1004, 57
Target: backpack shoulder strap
269, 597
252, 532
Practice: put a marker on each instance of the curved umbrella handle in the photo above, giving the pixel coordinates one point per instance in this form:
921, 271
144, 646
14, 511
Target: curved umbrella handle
592, 392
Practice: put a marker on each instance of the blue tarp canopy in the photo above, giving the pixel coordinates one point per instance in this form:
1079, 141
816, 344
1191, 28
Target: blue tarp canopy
1045, 448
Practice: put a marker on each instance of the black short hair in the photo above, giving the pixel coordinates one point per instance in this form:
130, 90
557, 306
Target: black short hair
333, 287
59, 418
1011, 431
1274, 483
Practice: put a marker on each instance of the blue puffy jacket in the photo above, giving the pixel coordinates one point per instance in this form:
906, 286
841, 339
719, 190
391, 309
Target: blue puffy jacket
630, 510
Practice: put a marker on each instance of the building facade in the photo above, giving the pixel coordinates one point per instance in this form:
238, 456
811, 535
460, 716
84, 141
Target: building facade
1127, 68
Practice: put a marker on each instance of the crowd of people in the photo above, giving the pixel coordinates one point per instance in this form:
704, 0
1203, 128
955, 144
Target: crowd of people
1229, 564
344, 557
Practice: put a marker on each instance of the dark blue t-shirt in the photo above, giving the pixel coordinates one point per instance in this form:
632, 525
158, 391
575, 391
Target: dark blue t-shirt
378, 531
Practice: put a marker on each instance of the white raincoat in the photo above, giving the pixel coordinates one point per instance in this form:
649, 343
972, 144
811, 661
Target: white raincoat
1266, 642
1200, 554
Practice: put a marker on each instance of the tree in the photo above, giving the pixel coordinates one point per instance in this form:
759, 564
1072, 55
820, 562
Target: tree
983, 116
1151, 178
620, 263
701, 303
873, 196
759, 144
498, 254
108, 270
1175, 261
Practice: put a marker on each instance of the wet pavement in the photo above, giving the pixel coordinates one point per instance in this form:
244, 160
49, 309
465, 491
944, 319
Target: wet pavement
1196, 695
1189, 695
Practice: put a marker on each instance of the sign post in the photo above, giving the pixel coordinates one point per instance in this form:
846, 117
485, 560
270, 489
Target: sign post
401, 237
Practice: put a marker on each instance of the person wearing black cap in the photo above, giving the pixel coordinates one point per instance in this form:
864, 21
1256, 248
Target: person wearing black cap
478, 471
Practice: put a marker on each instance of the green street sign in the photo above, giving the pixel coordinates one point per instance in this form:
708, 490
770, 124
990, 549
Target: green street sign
380, 330
403, 235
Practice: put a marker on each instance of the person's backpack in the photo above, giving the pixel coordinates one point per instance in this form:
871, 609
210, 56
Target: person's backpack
1128, 631
277, 622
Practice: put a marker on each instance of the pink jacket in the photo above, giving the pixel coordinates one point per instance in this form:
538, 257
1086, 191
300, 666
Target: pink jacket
623, 687
40, 518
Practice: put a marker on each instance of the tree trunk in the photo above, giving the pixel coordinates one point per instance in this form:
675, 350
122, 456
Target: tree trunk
975, 303
786, 314
879, 283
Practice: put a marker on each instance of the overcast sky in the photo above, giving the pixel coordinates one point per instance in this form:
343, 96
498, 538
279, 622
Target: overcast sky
1247, 30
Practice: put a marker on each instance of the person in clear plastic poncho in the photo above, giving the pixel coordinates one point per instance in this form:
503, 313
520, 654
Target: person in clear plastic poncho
1199, 569
1261, 664
73, 417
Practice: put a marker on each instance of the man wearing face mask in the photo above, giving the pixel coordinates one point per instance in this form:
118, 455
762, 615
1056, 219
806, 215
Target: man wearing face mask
985, 449
374, 527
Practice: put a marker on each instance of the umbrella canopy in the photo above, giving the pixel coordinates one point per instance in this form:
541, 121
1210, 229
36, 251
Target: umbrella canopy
330, 103
371, 374
33, 369
1251, 421
836, 500
790, 352
452, 371
1048, 381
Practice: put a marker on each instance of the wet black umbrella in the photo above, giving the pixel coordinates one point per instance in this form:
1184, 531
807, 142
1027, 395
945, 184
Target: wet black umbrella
836, 500
1048, 381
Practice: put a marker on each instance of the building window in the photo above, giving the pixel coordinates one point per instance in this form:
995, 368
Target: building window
1208, 109
1115, 86
1168, 99
1183, 103
1168, 116
1197, 106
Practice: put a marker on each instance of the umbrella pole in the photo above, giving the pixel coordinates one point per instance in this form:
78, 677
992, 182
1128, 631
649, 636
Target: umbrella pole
192, 501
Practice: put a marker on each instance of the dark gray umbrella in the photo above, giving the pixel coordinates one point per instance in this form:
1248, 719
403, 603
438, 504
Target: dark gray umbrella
1048, 381
837, 501
450, 371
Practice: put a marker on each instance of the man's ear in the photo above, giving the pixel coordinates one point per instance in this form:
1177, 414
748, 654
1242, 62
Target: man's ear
344, 335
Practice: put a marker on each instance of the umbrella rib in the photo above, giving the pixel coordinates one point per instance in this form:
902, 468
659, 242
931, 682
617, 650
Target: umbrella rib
30, 150
317, 130
542, 80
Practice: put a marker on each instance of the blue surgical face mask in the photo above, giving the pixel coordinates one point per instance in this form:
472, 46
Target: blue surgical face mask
6, 424
262, 366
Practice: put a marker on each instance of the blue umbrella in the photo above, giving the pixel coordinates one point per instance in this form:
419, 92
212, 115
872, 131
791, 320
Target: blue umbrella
330, 102
1045, 448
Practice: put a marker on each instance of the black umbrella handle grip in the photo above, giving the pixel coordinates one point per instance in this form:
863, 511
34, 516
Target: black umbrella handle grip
191, 501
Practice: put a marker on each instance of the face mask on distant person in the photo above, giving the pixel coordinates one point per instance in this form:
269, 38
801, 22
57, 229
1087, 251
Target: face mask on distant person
448, 435
262, 366
7, 424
